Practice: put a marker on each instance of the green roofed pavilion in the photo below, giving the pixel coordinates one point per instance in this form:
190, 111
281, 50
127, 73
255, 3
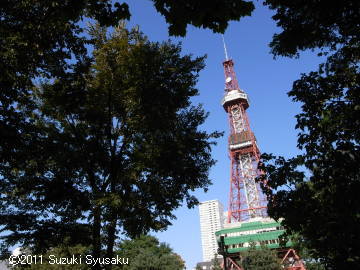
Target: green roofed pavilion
262, 231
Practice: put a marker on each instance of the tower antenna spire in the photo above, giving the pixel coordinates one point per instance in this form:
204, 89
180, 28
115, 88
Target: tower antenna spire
226, 55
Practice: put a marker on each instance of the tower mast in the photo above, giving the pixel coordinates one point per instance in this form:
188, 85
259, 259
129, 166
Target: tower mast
247, 203
246, 199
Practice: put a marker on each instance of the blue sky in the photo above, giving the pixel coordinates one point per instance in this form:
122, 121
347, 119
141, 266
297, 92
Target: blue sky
264, 79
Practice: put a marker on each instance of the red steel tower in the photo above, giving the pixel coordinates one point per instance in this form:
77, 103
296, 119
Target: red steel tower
246, 201
246, 198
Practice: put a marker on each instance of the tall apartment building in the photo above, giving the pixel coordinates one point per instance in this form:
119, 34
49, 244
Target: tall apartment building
211, 220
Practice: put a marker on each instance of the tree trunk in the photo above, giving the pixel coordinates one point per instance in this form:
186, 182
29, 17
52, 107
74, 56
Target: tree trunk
96, 236
111, 238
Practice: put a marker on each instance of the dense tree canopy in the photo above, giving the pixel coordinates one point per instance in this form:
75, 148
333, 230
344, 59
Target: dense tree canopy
145, 252
51, 260
117, 148
259, 258
317, 192
202, 13
314, 24
141, 253
306, 255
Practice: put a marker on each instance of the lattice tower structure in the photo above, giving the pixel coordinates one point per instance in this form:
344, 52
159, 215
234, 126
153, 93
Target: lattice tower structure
246, 199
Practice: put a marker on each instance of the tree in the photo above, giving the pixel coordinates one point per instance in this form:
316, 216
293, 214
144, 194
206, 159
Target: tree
259, 258
216, 263
46, 40
208, 14
302, 250
75, 259
317, 192
38, 38
123, 148
145, 252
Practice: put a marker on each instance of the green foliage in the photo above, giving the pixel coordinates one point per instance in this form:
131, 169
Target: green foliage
317, 192
302, 250
259, 258
146, 253
201, 13
314, 24
52, 259
216, 263
38, 38
118, 147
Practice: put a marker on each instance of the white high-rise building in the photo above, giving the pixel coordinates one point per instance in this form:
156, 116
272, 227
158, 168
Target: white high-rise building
211, 220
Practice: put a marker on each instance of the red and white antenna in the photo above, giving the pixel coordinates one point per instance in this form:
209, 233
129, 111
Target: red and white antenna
226, 55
